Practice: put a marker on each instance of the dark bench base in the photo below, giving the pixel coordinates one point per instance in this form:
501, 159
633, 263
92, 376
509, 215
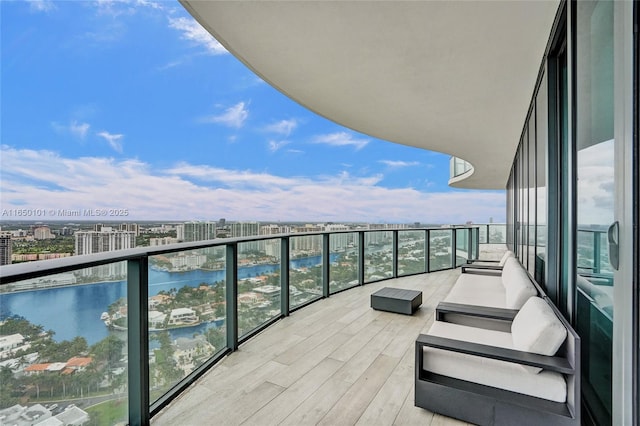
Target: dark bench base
483, 405
396, 300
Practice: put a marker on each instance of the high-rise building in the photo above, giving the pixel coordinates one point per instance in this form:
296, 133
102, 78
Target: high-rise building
246, 229
131, 227
196, 231
89, 242
5, 248
162, 241
42, 233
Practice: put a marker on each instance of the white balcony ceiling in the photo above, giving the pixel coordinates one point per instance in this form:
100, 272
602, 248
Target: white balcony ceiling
449, 76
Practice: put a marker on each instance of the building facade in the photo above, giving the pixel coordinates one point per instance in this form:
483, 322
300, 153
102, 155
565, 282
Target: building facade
572, 191
196, 231
89, 242
6, 249
42, 233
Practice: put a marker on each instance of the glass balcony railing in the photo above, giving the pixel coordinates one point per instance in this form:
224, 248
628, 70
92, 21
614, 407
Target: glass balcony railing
593, 252
116, 336
492, 233
458, 167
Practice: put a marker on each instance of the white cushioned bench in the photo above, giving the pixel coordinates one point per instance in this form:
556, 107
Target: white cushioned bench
524, 376
488, 300
487, 265
509, 290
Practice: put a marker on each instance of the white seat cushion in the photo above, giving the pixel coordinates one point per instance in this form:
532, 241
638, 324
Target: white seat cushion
476, 289
499, 374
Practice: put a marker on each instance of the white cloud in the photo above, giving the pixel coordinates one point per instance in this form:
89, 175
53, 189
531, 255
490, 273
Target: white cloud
596, 184
276, 145
396, 164
341, 139
169, 65
114, 140
151, 4
41, 5
78, 130
193, 31
230, 177
282, 127
233, 116
45, 180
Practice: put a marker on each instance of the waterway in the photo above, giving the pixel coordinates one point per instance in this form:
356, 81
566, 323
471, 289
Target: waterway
75, 310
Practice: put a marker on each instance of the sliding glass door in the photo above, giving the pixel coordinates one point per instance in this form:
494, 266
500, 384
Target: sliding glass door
595, 173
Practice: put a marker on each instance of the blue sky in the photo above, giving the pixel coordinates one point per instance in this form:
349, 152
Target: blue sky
132, 105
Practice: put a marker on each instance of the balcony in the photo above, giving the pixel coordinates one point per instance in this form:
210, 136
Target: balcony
336, 362
459, 170
284, 320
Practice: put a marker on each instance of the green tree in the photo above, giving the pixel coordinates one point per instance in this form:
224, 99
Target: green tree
108, 350
9, 390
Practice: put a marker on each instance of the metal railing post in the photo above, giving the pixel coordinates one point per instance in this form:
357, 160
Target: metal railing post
596, 252
138, 340
284, 276
326, 264
394, 253
427, 251
454, 245
231, 295
361, 257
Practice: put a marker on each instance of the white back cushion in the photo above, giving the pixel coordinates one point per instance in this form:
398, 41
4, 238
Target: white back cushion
518, 286
510, 270
536, 329
507, 255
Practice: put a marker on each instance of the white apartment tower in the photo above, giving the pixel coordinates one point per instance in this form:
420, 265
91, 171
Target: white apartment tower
196, 231
89, 242
42, 233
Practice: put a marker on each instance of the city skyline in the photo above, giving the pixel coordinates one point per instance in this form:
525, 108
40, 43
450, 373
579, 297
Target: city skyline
132, 107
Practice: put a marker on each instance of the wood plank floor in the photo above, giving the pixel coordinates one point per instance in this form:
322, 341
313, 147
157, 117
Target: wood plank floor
335, 362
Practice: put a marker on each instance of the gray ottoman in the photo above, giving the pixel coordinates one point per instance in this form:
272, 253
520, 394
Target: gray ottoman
396, 300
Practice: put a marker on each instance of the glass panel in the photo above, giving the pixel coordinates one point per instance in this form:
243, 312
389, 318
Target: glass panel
187, 313
63, 345
440, 249
378, 255
305, 269
521, 205
484, 234
524, 193
541, 182
462, 246
458, 166
532, 195
585, 252
258, 283
497, 233
343, 270
595, 200
411, 252
510, 212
